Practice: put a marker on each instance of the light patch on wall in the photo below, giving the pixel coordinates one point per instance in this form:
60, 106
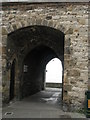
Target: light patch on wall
54, 71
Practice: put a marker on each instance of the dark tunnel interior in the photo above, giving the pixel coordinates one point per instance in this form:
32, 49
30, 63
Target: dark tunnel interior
34, 69
33, 47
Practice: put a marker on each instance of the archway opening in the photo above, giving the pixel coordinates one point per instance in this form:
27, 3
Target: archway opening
54, 73
34, 47
34, 66
12, 80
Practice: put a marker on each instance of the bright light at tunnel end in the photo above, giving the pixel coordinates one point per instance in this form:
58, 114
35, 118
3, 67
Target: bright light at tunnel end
54, 71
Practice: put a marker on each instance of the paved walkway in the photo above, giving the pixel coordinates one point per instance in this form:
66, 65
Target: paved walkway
45, 104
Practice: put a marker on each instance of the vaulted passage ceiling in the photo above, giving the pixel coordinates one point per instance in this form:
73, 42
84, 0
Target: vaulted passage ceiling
34, 47
35, 61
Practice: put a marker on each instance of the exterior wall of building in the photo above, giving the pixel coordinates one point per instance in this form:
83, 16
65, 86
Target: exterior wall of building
0, 69
45, 1
72, 20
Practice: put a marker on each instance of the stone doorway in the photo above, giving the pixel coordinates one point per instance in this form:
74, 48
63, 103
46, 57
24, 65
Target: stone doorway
54, 73
34, 67
33, 47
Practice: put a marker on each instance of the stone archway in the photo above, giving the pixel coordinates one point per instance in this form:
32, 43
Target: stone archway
75, 46
46, 42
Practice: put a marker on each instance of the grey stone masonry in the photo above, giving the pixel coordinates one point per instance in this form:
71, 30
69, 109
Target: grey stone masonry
0, 69
45, 1
72, 20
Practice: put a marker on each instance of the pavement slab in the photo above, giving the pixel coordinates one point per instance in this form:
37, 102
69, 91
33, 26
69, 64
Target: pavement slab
45, 104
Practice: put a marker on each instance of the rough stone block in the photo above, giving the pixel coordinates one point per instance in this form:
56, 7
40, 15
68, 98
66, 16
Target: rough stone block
61, 28
0, 89
32, 21
73, 94
67, 87
38, 21
81, 21
57, 17
10, 28
73, 72
19, 25
4, 40
69, 31
4, 62
68, 42
45, 22
50, 23
67, 50
66, 99
67, 57
72, 80
0, 50
4, 31
4, 50
24, 23
14, 26
68, 63
82, 65
48, 17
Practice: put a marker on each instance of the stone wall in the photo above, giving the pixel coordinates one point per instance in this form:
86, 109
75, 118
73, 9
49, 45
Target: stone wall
72, 20
0, 69
54, 85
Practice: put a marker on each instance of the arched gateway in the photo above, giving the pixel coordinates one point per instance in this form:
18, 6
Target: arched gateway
34, 47
32, 35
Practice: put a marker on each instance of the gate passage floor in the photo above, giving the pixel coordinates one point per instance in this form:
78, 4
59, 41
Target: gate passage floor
45, 104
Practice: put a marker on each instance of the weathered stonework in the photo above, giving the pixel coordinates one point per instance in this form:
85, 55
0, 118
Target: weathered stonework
72, 20
0, 69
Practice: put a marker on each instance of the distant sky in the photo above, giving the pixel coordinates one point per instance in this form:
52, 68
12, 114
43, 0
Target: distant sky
54, 71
